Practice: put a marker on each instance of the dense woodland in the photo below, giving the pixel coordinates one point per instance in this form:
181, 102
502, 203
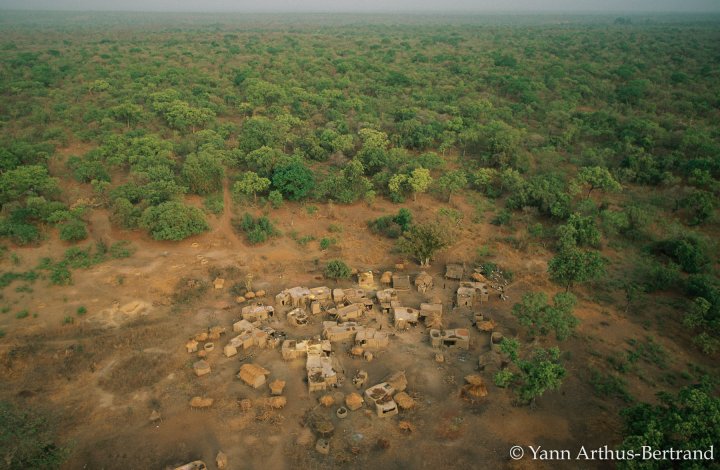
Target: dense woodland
581, 133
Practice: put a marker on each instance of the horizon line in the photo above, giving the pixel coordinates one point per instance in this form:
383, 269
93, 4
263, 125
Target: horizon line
375, 12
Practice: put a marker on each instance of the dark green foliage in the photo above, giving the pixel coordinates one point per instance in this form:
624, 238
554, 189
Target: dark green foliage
203, 172
28, 440
540, 373
689, 420
336, 269
573, 265
73, 231
293, 180
580, 231
541, 318
86, 169
690, 252
173, 221
121, 249
256, 230
392, 226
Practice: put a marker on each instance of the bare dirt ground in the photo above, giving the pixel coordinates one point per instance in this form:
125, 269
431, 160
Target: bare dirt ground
102, 375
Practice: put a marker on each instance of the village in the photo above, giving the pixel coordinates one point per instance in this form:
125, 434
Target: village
337, 333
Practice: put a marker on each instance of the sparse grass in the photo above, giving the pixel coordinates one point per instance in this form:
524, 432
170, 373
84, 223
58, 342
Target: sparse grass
22, 314
122, 249
214, 204
326, 243
649, 351
609, 386
68, 320
335, 228
311, 210
24, 288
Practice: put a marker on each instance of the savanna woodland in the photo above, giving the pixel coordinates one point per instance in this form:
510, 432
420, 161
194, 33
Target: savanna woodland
158, 171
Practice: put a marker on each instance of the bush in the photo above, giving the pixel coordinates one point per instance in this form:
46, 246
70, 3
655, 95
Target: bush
173, 220
504, 378
688, 251
73, 231
337, 269
276, 199
22, 314
392, 226
326, 243
27, 440
256, 230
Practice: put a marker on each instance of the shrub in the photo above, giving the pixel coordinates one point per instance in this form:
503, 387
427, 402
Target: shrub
173, 220
256, 230
504, 378
73, 231
326, 243
27, 440
22, 314
81, 310
688, 251
337, 269
392, 226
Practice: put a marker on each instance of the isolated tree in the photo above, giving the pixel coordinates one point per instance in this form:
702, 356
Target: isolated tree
573, 265
451, 182
419, 181
250, 183
595, 177
534, 313
173, 220
337, 269
422, 241
540, 373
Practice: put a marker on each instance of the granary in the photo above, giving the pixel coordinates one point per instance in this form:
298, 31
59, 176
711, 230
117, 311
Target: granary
321, 372
338, 295
458, 337
365, 280
404, 317
431, 314
358, 296
454, 271
381, 396
293, 297
370, 338
249, 335
401, 281
292, 349
348, 312
481, 289
297, 317
335, 332
465, 297
423, 282
257, 312
253, 375
385, 298
386, 278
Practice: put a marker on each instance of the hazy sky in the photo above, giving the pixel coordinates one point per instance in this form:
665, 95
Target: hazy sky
369, 5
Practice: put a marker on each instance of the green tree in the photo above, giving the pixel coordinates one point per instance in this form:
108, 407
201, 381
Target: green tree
540, 373
534, 313
250, 183
73, 231
689, 420
128, 113
294, 180
422, 241
596, 177
374, 151
173, 220
572, 266
419, 181
204, 172
337, 269
451, 182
